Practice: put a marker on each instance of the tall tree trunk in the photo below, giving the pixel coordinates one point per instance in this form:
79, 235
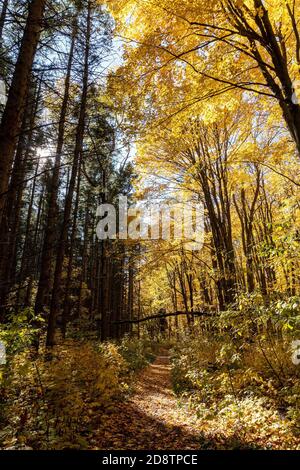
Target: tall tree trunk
246, 215
50, 226
11, 211
27, 245
27, 258
2, 19
66, 304
11, 122
13, 202
55, 301
84, 258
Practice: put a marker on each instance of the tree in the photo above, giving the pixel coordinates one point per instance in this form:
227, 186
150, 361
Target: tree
80, 132
49, 240
228, 44
11, 121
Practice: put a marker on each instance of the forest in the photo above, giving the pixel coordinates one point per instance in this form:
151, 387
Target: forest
149, 225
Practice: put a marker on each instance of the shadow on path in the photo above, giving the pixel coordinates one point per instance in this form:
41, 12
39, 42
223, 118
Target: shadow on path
151, 418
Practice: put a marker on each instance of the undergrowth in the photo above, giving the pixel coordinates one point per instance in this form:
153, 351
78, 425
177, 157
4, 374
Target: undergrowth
238, 377
55, 402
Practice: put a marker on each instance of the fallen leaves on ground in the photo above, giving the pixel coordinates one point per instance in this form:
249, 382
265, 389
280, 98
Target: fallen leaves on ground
153, 420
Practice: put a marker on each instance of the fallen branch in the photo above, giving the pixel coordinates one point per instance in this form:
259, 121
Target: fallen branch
165, 315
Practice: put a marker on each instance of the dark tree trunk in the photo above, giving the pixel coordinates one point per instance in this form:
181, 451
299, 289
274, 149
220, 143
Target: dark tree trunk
66, 304
44, 285
3, 18
11, 122
55, 301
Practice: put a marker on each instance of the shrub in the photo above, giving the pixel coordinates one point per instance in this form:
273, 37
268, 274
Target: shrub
52, 403
245, 390
137, 352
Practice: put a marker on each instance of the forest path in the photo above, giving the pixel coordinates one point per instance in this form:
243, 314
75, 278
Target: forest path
151, 418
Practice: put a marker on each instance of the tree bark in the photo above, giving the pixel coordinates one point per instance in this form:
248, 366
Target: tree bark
11, 122
55, 301
2, 19
50, 226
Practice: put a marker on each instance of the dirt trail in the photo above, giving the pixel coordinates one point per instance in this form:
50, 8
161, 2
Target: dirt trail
151, 418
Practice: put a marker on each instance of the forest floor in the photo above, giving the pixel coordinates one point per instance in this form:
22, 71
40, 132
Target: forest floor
154, 418
151, 418
145, 413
